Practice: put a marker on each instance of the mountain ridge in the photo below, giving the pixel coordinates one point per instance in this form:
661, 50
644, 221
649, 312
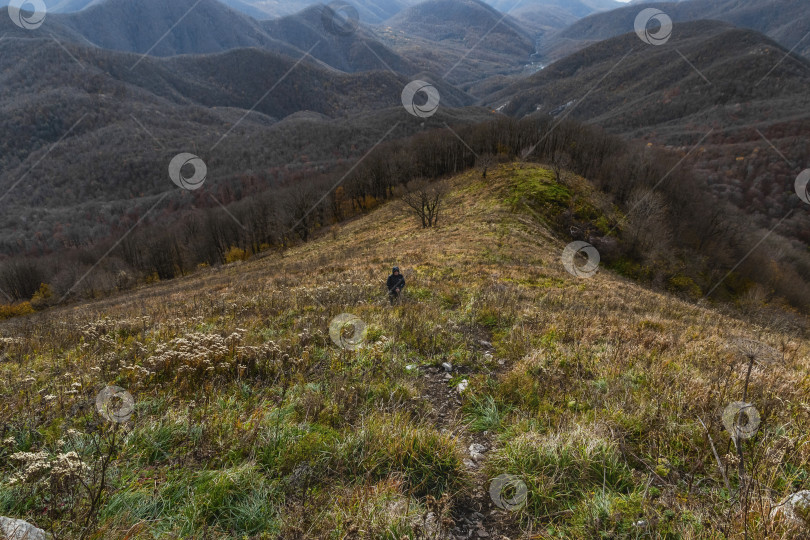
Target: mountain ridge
697, 93
783, 20
209, 26
489, 305
127, 121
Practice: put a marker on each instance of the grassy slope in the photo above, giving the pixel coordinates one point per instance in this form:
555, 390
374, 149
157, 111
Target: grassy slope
250, 421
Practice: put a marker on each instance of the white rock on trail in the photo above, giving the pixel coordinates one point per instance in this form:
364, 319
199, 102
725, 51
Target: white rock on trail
17, 529
448, 367
477, 451
796, 508
462, 385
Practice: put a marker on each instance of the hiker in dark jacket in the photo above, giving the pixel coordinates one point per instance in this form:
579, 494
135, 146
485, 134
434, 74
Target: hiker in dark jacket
395, 284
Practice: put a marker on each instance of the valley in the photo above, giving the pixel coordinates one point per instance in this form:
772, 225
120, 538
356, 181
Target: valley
600, 210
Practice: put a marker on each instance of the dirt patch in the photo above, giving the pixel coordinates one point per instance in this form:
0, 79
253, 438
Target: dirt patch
475, 514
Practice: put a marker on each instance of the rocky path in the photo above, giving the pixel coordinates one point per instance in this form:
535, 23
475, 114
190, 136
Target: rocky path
476, 516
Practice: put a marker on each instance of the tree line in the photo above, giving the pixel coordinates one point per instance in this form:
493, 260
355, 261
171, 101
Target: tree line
673, 231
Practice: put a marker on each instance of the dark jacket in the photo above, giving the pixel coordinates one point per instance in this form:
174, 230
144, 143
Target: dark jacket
395, 282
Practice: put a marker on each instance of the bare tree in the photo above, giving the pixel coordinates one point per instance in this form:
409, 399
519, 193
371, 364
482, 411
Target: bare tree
648, 232
425, 200
560, 162
484, 163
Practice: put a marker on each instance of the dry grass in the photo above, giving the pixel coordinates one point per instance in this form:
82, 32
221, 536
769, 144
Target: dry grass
250, 422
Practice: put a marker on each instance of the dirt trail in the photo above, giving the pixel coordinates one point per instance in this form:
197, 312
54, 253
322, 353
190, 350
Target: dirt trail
476, 516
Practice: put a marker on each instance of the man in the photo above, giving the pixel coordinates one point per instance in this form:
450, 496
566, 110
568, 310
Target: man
395, 284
